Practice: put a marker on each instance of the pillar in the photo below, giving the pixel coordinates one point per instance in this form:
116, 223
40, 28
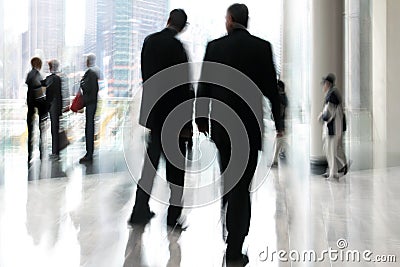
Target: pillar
385, 82
326, 56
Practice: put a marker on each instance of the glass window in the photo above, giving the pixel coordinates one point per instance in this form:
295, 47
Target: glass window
114, 30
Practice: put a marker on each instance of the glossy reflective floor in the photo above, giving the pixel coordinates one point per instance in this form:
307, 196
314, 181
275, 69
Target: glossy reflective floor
67, 214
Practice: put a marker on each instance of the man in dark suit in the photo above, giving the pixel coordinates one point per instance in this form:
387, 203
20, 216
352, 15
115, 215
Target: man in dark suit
90, 90
35, 99
54, 100
253, 58
161, 51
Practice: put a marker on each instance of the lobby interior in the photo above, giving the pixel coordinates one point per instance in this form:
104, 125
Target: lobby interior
62, 213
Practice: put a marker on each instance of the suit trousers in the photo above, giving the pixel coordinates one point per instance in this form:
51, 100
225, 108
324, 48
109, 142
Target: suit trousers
334, 153
30, 121
55, 131
341, 156
89, 129
175, 177
237, 200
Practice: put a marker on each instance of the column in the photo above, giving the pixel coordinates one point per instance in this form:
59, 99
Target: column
385, 82
326, 56
352, 54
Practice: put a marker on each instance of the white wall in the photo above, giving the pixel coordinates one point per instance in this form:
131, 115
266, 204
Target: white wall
393, 78
386, 81
326, 57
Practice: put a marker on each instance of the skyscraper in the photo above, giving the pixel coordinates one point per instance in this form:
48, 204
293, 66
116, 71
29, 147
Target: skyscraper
149, 16
108, 34
123, 50
47, 28
115, 31
10, 56
104, 36
90, 26
1, 48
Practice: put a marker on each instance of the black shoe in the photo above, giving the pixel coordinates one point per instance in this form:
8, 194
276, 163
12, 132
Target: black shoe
344, 170
55, 157
86, 159
326, 176
141, 219
242, 262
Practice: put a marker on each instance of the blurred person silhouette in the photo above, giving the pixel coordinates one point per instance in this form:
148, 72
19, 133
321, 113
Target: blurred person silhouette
134, 247
175, 251
253, 57
45, 212
334, 122
160, 51
53, 84
280, 141
36, 101
90, 88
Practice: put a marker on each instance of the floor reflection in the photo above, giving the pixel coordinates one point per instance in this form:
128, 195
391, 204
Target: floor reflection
174, 249
133, 251
61, 213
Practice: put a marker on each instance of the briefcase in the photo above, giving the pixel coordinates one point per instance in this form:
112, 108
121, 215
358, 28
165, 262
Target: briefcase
63, 141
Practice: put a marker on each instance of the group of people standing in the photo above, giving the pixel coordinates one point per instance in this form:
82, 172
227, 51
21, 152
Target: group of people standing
44, 96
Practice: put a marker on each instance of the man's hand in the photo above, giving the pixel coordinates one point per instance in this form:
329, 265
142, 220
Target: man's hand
320, 117
203, 128
279, 134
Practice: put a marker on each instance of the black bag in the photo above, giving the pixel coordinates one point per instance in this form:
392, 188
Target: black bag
63, 140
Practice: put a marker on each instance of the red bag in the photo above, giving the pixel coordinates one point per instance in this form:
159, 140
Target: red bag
77, 103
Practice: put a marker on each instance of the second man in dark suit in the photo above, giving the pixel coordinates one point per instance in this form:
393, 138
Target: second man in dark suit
54, 100
253, 57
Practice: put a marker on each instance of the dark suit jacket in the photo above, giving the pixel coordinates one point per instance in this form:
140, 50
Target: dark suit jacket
53, 93
253, 57
160, 51
90, 87
33, 81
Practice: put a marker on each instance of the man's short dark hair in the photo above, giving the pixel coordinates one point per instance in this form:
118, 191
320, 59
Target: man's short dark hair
239, 14
177, 18
36, 63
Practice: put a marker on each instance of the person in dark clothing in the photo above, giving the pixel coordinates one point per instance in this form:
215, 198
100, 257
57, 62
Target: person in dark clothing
280, 141
252, 57
53, 84
160, 51
36, 100
90, 88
